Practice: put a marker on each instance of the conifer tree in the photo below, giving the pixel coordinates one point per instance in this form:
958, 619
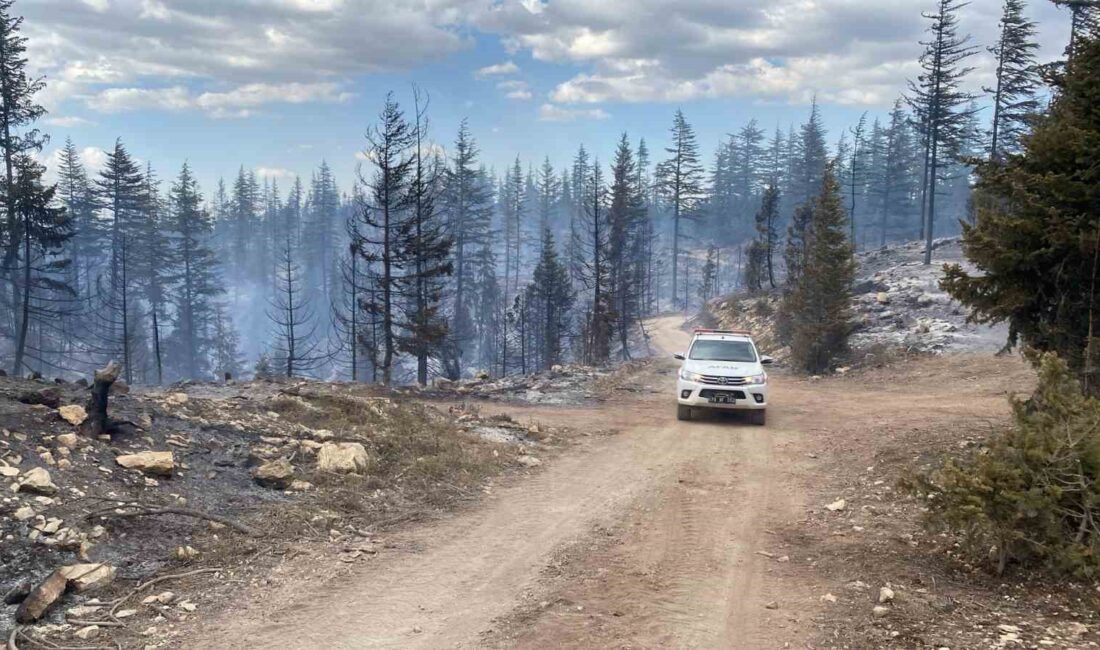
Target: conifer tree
18, 113
681, 182
296, 349
1036, 239
820, 301
40, 271
938, 101
553, 295
1014, 95
767, 232
194, 280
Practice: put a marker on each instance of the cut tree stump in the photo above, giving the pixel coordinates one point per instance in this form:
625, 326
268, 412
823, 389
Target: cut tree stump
98, 421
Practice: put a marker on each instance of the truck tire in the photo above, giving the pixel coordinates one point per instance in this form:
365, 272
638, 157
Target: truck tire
683, 412
760, 418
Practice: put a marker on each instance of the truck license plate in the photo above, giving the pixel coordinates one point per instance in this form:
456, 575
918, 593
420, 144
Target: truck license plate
723, 399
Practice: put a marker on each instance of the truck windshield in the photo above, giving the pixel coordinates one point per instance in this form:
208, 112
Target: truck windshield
718, 350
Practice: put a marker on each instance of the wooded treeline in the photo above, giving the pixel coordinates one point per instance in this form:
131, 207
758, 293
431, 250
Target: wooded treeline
430, 263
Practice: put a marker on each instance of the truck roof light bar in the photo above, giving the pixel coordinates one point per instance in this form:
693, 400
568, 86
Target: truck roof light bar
702, 330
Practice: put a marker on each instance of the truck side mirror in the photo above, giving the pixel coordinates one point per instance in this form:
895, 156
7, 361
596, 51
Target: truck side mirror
678, 355
766, 361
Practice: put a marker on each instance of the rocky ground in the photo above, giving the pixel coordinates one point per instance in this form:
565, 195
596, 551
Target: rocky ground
899, 308
208, 487
567, 384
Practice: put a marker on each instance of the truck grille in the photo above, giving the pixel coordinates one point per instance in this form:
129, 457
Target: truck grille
715, 380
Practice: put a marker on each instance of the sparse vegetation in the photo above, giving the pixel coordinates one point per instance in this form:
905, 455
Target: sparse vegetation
1032, 495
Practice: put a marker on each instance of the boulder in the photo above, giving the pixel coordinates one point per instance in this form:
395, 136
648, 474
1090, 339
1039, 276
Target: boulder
176, 399
37, 481
528, 461
68, 440
7, 471
24, 513
159, 463
74, 414
85, 577
342, 458
278, 474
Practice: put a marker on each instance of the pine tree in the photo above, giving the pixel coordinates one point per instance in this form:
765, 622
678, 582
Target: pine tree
467, 207
553, 295
938, 101
1035, 242
18, 112
808, 161
624, 216
296, 349
40, 264
820, 301
681, 182
1014, 96
385, 221
767, 233
593, 236
425, 251
195, 282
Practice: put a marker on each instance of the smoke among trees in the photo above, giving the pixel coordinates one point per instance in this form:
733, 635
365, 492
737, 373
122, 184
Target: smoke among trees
429, 264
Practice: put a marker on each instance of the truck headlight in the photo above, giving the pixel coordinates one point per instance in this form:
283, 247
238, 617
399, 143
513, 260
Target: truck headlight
758, 379
690, 376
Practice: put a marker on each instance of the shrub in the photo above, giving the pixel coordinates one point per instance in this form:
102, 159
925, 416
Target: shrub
1032, 496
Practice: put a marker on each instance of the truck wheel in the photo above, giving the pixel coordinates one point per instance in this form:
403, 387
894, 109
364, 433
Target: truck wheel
760, 417
683, 412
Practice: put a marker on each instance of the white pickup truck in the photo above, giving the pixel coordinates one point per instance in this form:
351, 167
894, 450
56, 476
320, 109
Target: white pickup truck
722, 370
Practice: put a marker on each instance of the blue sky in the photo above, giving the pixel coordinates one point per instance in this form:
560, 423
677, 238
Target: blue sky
279, 85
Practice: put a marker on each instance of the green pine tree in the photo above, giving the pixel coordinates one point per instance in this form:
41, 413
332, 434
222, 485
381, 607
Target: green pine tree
1036, 239
820, 299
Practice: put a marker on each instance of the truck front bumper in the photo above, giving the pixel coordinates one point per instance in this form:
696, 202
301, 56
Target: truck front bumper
749, 397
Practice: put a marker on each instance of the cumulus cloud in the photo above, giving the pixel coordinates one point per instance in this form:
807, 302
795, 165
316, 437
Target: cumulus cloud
497, 69
553, 113
515, 89
239, 102
209, 45
845, 51
67, 121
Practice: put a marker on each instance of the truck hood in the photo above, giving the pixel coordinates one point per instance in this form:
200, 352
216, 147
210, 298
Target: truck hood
723, 368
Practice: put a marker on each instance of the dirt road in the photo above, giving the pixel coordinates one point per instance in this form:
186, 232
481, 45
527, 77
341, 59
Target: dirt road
699, 493
648, 538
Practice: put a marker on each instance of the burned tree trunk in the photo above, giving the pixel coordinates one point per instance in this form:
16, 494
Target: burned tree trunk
98, 422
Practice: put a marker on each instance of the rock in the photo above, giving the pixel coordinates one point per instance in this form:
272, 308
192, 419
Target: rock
160, 463
771, 605
74, 414
82, 611
125, 613
176, 399
186, 553
24, 513
37, 481
882, 298
188, 606
828, 598
880, 611
342, 458
41, 598
68, 440
85, 577
85, 633
528, 461
50, 397
837, 506
7, 471
300, 486
278, 474
885, 595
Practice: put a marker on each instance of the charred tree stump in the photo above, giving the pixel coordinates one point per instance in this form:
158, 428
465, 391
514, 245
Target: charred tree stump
98, 422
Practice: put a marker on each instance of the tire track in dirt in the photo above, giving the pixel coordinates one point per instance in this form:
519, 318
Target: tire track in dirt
696, 491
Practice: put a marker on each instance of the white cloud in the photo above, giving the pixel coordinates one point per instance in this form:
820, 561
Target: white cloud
515, 89
98, 5
67, 121
275, 173
93, 159
239, 102
497, 69
552, 113
847, 51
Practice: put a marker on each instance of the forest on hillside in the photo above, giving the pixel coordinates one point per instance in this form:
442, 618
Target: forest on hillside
431, 264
